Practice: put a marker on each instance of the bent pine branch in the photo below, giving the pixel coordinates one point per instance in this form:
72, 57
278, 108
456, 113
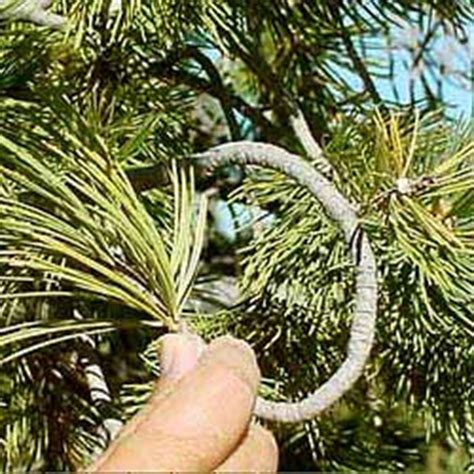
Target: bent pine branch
339, 209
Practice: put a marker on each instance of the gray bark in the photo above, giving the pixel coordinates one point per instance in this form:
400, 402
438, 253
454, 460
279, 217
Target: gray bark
339, 209
31, 10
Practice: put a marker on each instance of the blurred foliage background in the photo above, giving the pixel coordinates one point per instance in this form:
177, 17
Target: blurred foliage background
105, 105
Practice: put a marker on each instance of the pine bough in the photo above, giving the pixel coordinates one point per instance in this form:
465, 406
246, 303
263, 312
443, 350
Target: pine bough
339, 209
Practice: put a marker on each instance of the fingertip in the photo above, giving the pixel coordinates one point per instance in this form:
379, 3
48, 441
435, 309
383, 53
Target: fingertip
258, 452
208, 411
179, 354
235, 355
196, 422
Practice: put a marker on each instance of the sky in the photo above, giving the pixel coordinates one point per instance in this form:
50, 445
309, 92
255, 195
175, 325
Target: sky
455, 57
457, 91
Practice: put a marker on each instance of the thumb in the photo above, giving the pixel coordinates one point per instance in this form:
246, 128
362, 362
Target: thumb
179, 354
201, 420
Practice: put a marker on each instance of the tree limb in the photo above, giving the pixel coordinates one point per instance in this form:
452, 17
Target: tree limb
339, 209
308, 142
354, 57
33, 10
227, 99
219, 87
98, 390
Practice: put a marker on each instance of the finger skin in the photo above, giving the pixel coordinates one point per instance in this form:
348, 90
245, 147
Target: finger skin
178, 355
201, 422
258, 452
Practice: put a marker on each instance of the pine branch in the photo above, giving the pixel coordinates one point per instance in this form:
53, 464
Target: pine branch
220, 88
363, 325
32, 10
308, 142
99, 390
214, 87
354, 56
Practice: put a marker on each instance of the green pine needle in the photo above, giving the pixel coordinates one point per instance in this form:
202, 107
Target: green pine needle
84, 230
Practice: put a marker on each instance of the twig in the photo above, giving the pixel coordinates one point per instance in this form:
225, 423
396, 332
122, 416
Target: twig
339, 209
227, 99
219, 87
99, 391
34, 11
308, 142
353, 55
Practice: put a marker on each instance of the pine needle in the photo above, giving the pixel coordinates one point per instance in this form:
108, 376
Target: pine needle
86, 230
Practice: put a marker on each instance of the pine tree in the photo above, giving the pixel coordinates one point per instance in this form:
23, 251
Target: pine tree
112, 114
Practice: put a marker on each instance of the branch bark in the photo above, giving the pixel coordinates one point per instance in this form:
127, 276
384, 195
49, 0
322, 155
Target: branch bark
338, 208
32, 10
98, 390
227, 99
220, 88
308, 142
354, 56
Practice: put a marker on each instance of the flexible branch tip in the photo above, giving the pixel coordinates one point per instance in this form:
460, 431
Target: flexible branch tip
45, 18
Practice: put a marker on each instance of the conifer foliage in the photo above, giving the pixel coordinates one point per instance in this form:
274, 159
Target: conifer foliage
111, 226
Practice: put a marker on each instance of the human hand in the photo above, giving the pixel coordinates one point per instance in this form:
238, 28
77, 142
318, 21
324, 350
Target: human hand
199, 417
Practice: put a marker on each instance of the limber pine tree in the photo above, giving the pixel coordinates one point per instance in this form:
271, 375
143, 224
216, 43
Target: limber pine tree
98, 233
